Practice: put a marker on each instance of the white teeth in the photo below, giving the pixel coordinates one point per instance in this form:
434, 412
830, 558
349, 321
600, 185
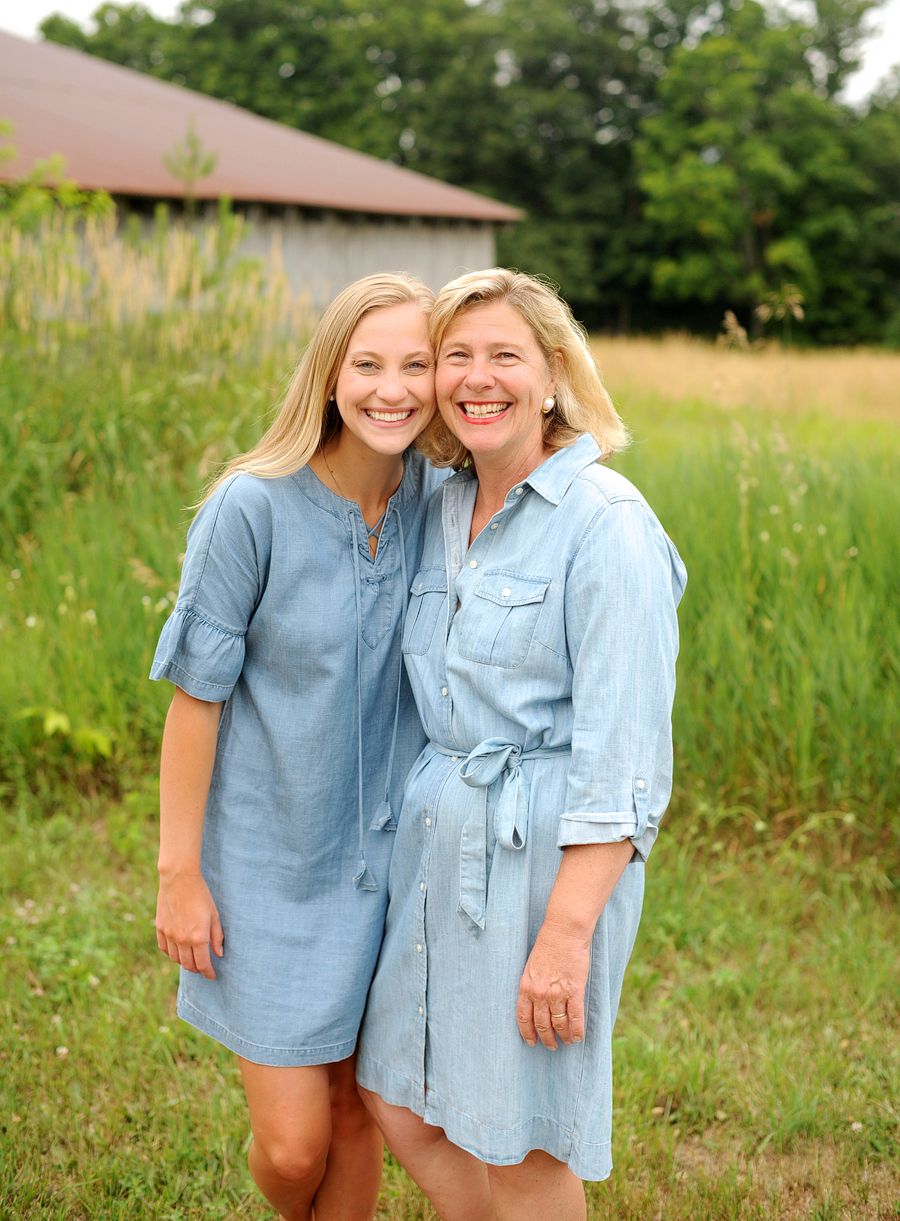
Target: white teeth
484, 411
389, 417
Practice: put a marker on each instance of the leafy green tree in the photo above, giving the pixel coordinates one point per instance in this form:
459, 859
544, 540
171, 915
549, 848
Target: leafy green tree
673, 152
751, 174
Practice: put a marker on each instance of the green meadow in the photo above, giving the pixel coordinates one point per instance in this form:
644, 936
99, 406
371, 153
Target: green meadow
758, 1045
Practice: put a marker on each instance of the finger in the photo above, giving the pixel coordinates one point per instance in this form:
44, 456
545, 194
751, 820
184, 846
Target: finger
202, 960
217, 936
167, 945
562, 1025
576, 1017
525, 1018
544, 1027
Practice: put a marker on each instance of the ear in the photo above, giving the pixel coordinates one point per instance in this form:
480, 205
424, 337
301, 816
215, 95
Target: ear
555, 364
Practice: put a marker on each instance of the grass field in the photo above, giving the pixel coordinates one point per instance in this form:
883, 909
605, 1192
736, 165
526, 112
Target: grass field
758, 1044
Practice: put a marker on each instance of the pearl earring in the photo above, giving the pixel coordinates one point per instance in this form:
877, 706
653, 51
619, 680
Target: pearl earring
548, 405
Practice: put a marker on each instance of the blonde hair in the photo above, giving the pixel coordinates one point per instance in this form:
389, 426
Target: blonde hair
307, 420
582, 402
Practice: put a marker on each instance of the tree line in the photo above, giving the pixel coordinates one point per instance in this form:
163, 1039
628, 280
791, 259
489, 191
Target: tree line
675, 158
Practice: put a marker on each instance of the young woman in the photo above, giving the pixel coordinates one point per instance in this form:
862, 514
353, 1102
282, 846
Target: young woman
289, 736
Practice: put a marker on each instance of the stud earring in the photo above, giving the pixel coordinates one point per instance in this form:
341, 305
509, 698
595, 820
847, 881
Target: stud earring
548, 404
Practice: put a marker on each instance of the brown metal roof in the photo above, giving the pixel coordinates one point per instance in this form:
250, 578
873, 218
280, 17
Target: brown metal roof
113, 125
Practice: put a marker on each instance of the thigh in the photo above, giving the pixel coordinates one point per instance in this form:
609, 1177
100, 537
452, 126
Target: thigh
289, 1107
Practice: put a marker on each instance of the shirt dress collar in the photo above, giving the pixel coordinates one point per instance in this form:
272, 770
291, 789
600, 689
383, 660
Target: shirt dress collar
553, 478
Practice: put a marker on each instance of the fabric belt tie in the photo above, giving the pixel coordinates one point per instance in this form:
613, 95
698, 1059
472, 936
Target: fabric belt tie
493, 759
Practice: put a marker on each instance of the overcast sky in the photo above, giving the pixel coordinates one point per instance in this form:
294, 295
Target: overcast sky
881, 51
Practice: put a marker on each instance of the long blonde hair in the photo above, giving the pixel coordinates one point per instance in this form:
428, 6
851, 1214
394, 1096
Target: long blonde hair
582, 402
308, 420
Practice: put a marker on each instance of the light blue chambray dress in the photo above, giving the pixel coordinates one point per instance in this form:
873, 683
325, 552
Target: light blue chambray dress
547, 700
284, 615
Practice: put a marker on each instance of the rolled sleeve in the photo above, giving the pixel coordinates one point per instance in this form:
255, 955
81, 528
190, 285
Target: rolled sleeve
609, 828
202, 647
622, 630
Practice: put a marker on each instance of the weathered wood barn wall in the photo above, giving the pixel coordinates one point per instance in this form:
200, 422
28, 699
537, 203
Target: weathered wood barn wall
337, 214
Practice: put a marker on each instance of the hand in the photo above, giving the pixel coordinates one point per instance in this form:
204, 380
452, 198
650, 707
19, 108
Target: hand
187, 921
551, 992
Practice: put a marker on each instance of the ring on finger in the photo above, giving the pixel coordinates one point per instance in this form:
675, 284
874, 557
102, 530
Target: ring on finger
559, 1015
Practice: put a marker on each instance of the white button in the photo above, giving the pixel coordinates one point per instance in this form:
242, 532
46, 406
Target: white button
640, 784
421, 1010
421, 886
507, 592
473, 563
418, 949
519, 491
454, 758
421, 584
443, 690
427, 822
494, 525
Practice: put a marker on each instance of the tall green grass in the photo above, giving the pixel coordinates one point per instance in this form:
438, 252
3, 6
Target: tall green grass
788, 695
788, 705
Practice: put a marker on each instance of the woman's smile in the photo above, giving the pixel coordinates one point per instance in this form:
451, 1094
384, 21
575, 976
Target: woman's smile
484, 413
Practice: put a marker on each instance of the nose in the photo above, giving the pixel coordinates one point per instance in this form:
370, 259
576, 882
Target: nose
391, 387
479, 375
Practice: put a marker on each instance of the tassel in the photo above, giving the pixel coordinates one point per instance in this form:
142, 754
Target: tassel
383, 815
363, 880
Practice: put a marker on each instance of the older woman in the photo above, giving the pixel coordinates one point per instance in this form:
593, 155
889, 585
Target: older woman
540, 641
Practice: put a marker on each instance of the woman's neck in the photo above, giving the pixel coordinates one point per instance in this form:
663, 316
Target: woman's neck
358, 473
496, 479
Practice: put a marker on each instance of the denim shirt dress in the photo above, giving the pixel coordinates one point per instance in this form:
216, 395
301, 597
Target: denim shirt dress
284, 615
547, 698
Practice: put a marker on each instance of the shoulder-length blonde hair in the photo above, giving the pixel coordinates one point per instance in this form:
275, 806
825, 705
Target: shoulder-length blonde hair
308, 420
582, 402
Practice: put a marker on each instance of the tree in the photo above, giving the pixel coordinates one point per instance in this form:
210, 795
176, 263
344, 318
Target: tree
188, 162
750, 172
672, 152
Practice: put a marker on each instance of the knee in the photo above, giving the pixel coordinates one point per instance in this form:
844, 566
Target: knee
292, 1161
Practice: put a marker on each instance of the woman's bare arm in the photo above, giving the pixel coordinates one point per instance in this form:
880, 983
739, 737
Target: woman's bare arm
187, 920
556, 973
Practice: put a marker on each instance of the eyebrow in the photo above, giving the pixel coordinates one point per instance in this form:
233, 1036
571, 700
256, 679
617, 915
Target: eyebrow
499, 346
380, 355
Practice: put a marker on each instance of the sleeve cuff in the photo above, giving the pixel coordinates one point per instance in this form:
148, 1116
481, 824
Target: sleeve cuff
610, 828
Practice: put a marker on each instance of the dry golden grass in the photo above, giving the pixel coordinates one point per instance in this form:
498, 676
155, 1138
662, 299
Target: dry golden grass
860, 384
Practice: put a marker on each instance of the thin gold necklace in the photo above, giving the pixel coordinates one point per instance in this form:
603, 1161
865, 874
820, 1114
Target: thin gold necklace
334, 477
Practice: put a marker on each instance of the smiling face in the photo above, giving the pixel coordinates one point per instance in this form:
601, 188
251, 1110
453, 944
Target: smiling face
385, 387
491, 382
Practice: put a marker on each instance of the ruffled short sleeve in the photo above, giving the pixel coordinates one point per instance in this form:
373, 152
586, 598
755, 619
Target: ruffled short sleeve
200, 658
201, 648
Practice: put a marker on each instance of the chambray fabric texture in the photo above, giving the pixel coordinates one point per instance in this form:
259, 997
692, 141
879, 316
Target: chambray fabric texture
266, 620
547, 701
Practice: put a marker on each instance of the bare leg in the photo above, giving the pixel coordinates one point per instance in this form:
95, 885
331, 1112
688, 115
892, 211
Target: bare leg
315, 1151
455, 1182
349, 1190
539, 1189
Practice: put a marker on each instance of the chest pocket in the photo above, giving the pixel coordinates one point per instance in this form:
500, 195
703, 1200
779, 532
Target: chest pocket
496, 626
427, 602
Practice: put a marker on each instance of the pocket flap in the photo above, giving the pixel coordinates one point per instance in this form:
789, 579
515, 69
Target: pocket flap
511, 589
429, 581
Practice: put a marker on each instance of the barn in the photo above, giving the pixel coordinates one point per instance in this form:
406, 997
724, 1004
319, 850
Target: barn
337, 214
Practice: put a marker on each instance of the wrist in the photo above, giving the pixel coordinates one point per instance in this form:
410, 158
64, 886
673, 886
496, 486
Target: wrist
172, 870
568, 929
